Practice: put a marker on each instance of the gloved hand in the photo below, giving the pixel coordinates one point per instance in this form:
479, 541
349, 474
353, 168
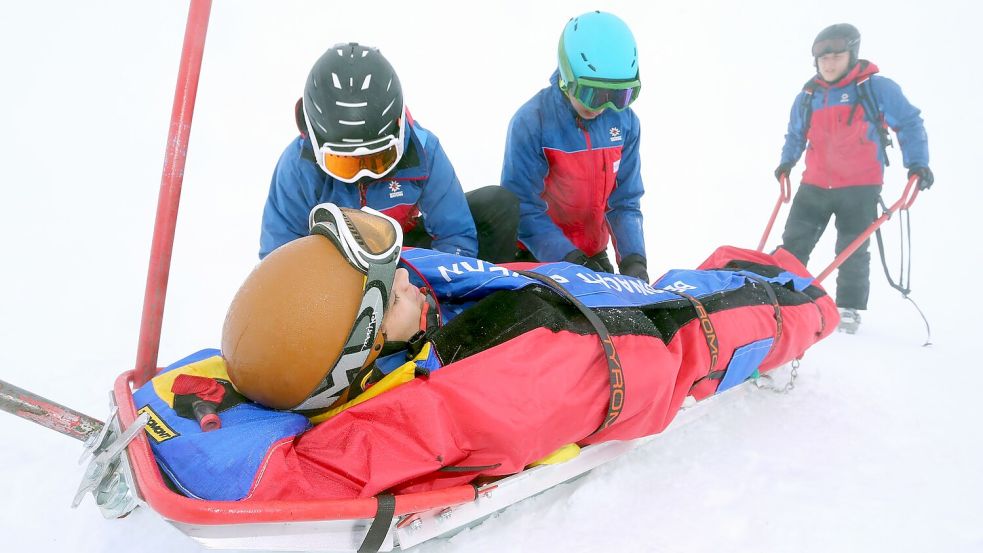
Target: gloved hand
925, 177
598, 262
783, 169
634, 265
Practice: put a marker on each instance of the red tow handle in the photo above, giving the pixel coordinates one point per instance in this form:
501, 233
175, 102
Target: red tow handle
904, 202
784, 195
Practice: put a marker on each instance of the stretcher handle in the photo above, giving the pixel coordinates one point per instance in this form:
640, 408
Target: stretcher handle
784, 195
904, 202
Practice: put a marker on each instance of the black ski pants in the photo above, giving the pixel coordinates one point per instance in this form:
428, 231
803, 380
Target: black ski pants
495, 211
855, 208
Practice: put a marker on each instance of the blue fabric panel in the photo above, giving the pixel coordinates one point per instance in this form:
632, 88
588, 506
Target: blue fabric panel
744, 362
221, 464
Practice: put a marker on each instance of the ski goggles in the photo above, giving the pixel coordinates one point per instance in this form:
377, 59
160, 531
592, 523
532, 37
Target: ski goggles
832, 46
596, 95
371, 243
350, 162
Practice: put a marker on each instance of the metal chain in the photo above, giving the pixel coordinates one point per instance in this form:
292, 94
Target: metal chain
766, 382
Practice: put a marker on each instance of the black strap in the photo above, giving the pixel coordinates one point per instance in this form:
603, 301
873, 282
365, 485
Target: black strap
709, 334
806, 107
903, 284
615, 374
774, 303
379, 529
865, 96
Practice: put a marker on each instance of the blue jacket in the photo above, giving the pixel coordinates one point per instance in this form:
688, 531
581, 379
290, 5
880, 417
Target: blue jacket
578, 182
843, 144
423, 187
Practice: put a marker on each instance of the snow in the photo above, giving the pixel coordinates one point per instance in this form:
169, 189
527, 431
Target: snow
877, 448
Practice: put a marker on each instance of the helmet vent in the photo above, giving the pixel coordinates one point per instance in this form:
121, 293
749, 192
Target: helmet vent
383, 129
365, 83
351, 123
388, 107
336, 81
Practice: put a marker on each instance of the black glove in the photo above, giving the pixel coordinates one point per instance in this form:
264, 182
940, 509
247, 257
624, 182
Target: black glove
598, 262
634, 265
783, 169
925, 177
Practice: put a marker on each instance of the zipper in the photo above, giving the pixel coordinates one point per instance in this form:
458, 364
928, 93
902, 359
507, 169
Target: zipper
830, 125
593, 170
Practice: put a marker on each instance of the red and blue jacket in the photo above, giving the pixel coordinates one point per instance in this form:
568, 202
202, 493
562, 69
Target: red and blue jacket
841, 142
423, 188
578, 182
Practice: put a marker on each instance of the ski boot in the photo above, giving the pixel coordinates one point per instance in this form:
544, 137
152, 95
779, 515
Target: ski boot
849, 320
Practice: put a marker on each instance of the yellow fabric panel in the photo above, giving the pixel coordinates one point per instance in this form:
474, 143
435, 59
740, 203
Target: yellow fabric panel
399, 376
561, 455
212, 367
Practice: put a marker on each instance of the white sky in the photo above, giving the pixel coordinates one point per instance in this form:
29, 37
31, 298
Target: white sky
85, 102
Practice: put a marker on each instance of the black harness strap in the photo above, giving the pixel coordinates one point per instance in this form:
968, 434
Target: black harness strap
379, 528
778, 310
709, 334
615, 373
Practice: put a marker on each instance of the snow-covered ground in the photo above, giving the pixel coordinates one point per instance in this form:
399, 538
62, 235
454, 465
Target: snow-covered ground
878, 448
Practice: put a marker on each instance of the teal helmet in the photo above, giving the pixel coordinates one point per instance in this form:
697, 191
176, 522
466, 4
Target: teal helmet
598, 61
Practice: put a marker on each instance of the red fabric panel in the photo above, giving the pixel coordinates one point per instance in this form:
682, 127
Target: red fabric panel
576, 192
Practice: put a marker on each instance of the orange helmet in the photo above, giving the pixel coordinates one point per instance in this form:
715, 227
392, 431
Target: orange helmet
307, 319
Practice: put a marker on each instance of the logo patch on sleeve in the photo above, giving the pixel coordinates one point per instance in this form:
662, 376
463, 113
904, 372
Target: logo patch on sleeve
156, 428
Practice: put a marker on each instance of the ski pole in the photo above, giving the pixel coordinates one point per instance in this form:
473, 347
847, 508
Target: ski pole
170, 190
904, 202
784, 195
47, 413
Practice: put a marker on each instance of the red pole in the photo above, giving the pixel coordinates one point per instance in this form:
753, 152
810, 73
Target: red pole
47, 413
903, 203
784, 195
170, 190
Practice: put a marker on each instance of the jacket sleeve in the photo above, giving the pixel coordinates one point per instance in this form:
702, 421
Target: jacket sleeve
523, 173
291, 197
624, 213
905, 119
795, 139
446, 216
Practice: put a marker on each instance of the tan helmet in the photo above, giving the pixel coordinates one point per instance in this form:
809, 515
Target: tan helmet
307, 319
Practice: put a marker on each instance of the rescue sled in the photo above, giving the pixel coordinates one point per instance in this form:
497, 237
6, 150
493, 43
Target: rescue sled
123, 473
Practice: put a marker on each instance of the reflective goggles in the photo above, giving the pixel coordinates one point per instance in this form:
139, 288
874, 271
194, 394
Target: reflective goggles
372, 159
596, 95
832, 46
371, 243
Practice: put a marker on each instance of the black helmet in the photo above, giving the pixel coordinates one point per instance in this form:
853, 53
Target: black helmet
353, 109
841, 37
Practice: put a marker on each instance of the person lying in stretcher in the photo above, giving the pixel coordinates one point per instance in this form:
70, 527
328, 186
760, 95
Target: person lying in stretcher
422, 370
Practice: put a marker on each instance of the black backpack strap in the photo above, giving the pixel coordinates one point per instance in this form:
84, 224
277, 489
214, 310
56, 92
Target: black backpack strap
805, 109
615, 373
865, 96
379, 529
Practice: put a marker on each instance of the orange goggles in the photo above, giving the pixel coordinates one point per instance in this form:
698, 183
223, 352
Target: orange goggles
349, 167
353, 159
